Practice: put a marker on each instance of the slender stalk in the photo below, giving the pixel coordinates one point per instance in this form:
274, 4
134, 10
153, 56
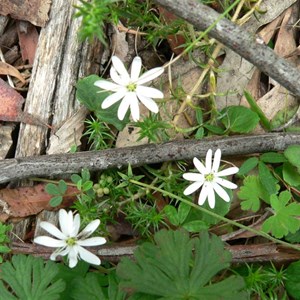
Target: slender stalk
257, 232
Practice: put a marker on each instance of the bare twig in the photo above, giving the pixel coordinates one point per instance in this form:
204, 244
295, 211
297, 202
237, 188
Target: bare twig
249, 46
19, 168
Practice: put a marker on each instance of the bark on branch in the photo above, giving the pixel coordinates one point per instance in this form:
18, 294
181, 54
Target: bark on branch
50, 165
234, 37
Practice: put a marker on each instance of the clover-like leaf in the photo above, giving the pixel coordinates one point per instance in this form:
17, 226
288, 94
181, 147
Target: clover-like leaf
285, 219
252, 192
28, 277
177, 267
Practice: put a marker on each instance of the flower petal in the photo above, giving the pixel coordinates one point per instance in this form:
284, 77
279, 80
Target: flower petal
124, 105
53, 230
221, 192
120, 68
107, 85
59, 252
199, 166
135, 109
203, 194
76, 225
228, 171
73, 256
114, 75
88, 256
93, 241
147, 91
90, 228
211, 196
113, 98
49, 242
192, 188
150, 75
208, 160
65, 222
149, 103
217, 160
226, 183
136, 68
193, 177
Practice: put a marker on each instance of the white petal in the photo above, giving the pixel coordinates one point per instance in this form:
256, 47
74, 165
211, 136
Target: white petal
124, 105
76, 225
150, 75
225, 183
88, 256
53, 230
93, 241
147, 91
208, 160
227, 172
211, 196
149, 103
117, 78
73, 256
193, 176
217, 160
65, 222
113, 98
90, 228
192, 188
221, 192
199, 166
120, 68
107, 85
203, 195
59, 252
49, 242
135, 109
136, 68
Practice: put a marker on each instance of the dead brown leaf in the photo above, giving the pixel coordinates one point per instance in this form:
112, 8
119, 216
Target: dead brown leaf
6, 69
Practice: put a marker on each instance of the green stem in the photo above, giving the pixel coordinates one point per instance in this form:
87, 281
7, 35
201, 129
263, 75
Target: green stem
257, 232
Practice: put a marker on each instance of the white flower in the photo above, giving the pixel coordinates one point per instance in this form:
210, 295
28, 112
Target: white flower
69, 241
129, 88
210, 179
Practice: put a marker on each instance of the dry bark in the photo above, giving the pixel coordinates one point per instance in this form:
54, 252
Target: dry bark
249, 46
58, 164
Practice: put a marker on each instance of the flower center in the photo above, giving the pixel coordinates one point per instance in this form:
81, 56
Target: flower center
71, 241
209, 177
131, 87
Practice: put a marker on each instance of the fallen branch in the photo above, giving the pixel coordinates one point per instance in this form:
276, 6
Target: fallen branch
50, 165
247, 45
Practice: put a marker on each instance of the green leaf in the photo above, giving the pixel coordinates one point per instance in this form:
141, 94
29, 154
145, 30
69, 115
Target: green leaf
248, 165
292, 282
75, 178
292, 153
52, 189
290, 175
87, 186
239, 119
62, 186
177, 267
199, 115
195, 226
263, 119
55, 201
285, 219
171, 214
28, 277
251, 192
199, 133
92, 97
272, 158
114, 293
183, 211
4, 249
214, 129
266, 178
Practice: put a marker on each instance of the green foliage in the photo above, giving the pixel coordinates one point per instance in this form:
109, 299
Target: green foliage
292, 282
99, 134
92, 97
292, 153
239, 119
290, 174
248, 165
177, 267
28, 277
4, 240
251, 192
285, 219
56, 190
267, 179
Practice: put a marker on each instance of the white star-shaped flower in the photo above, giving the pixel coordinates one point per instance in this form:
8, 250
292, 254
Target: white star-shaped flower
129, 88
210, 179
70, 242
